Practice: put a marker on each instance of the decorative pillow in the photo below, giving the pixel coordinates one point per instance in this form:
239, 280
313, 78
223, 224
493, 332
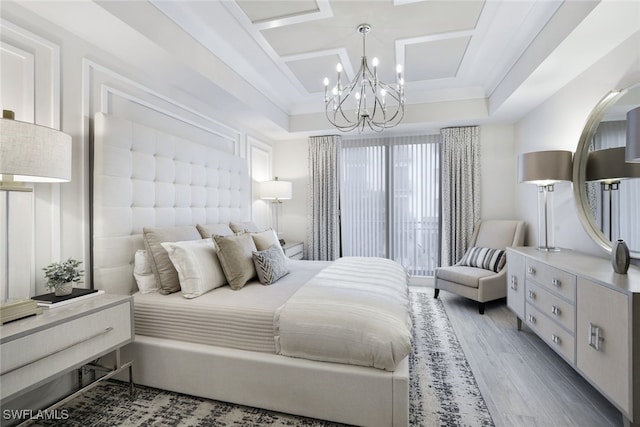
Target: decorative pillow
244, 227
486, 258
265, 239
271, 264
161, 265
236, 257
145, 279
208, 230
197, 264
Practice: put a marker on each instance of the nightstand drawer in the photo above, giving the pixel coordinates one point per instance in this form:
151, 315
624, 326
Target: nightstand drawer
552, 278
556, 308
40, 356
559, 339
294, 250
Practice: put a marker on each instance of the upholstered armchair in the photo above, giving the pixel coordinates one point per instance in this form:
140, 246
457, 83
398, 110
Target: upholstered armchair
473, 276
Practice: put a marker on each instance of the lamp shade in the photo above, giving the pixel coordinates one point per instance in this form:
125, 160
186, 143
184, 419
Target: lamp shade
276, 190
610, 165
33, 153
545, 167
633, 136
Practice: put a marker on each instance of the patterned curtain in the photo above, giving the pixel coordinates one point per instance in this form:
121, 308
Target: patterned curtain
324, 215
460, 158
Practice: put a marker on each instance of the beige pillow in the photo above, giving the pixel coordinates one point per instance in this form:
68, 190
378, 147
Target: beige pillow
198, 266
208, 230
236, 257
265, 239
243, 227
161, 265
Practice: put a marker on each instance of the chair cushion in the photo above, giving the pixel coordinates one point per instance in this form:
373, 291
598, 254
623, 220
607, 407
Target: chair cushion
487, 258
464, 275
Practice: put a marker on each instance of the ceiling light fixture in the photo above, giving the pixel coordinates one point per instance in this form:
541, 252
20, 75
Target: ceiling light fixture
377, 104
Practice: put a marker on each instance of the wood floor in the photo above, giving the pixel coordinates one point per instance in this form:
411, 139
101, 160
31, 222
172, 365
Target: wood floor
522, 380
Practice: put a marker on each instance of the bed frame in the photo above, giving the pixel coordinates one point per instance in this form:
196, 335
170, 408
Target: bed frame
145, 177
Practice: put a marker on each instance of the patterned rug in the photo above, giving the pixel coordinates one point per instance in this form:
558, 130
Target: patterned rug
443, 390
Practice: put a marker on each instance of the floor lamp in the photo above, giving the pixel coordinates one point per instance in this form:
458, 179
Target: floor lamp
28, 154
545, 169
276, 191
608, 167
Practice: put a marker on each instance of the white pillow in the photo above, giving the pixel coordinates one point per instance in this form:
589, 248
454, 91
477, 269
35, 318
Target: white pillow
265, 239
198, 266
145, 279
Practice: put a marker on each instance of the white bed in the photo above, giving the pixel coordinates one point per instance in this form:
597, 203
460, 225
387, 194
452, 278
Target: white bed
143, 177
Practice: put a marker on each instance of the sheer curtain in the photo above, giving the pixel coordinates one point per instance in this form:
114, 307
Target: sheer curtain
389, 198
460, 190
324, 220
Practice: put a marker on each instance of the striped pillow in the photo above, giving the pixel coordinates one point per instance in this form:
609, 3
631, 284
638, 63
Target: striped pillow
487, 258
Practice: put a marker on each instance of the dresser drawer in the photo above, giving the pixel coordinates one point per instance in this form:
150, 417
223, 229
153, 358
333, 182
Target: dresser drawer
40, 356
552, 278
603, 346
555, 307
552, 333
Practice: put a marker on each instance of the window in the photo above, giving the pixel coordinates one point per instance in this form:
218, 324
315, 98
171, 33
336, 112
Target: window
389, 200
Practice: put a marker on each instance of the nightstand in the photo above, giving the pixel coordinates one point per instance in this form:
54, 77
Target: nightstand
294, 250
36, 350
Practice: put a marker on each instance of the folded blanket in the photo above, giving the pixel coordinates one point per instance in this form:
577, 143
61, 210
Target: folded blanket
356, 311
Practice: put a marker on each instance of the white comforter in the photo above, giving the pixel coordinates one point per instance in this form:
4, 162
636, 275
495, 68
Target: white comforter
356, 311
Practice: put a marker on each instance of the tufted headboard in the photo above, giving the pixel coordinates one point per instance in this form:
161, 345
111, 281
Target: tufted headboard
143, 177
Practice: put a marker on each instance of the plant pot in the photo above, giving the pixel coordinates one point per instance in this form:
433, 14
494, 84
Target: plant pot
64, 289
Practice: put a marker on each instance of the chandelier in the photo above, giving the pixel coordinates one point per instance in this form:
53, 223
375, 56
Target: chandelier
378, 105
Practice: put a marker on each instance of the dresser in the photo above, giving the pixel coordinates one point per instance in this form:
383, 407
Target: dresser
36, 350
585, 312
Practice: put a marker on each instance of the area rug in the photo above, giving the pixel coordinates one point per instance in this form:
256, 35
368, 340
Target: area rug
443, 390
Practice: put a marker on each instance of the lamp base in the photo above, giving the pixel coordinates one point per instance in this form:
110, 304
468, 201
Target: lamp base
548, 249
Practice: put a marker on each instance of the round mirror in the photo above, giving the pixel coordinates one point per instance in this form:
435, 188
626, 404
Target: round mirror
607, 189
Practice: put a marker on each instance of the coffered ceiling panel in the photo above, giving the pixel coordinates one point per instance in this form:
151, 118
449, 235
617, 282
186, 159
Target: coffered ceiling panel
311, 71
260, 11
434, 60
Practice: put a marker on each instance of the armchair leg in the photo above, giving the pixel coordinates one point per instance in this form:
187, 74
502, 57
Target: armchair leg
481, 307
436, 292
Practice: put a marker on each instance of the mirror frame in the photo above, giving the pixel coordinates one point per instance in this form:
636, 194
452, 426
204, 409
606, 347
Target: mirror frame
580, 167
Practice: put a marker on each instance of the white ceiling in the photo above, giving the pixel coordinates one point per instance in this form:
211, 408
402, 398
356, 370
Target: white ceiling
465, 62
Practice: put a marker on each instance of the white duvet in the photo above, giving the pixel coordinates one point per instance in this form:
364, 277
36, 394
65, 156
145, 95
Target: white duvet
356, 311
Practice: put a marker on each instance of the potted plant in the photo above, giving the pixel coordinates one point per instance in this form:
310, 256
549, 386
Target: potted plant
62, 275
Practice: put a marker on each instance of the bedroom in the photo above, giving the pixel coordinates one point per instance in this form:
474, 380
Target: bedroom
132, 61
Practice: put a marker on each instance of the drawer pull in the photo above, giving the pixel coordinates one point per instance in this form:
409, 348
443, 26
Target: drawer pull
531, 270
594, 337
532, 295
532, 318
555, 310
89, 338
514, 283
556, 339
556, 282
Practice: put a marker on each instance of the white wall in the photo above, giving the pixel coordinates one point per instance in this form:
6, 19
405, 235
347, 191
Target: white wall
498, 178
557, 124
73, 81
